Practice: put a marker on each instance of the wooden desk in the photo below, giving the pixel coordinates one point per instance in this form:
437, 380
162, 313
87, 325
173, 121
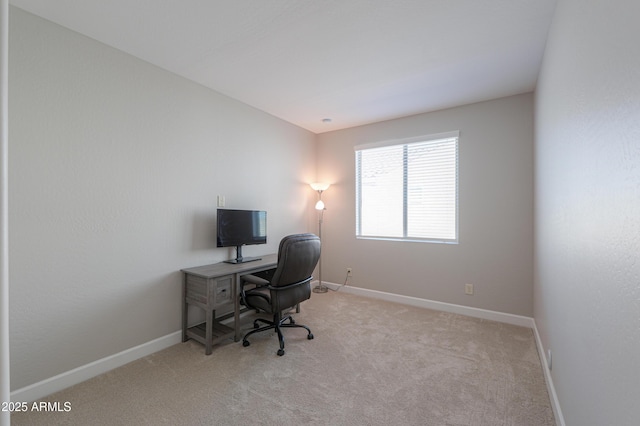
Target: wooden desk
216, 287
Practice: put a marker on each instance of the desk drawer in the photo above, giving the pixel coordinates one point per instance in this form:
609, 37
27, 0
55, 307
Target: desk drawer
212, 292
223, 290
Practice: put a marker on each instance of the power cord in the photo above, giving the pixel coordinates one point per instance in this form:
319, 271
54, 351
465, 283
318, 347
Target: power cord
346, 279
346, 282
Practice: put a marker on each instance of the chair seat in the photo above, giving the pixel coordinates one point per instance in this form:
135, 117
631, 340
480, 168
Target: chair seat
259, 298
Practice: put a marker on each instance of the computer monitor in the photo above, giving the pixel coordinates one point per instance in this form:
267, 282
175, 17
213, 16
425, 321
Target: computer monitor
237, 228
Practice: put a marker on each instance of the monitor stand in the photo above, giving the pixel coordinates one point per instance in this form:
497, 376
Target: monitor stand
240, 259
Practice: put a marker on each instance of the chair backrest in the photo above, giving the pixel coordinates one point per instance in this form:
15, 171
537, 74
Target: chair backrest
297, 258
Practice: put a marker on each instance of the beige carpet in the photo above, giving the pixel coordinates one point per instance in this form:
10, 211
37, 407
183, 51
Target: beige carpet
371, 363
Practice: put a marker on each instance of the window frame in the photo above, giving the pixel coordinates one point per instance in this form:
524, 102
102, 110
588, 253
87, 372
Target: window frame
405, 142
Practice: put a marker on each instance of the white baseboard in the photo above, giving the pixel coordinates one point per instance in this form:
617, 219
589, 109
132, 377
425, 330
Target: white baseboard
437, 306
555, 403
471, 312
77, 375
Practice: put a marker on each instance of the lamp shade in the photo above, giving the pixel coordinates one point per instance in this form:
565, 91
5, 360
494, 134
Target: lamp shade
319, 186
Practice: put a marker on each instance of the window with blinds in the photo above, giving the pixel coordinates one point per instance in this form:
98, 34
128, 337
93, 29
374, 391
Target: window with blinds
408, 189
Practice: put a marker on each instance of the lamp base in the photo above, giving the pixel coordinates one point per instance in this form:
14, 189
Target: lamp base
320, 289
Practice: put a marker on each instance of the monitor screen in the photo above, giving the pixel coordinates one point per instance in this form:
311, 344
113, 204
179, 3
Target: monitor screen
241, 227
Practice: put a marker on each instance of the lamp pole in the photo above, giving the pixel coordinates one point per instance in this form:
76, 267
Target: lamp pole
320, 288
319, 187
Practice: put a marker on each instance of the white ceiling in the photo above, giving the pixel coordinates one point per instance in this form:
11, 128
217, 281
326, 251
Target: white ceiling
354, 61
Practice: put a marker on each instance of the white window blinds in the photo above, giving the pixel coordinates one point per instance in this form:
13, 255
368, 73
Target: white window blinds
408, 189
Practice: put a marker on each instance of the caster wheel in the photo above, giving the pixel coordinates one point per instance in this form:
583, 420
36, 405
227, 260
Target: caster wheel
291, 321
245, 343
280, 352
310, 336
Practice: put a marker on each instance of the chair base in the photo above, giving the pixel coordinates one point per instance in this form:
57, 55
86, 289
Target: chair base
276, 324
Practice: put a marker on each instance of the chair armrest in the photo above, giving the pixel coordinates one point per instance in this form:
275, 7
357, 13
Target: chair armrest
252, 279
288, 286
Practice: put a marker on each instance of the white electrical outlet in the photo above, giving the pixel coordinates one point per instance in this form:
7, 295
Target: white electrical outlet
220, 200
468, 289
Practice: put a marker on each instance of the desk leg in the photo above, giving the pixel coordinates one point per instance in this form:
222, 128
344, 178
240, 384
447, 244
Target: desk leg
208, 333
236, 306
185, 307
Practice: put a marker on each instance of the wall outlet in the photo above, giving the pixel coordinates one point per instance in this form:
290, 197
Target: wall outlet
221, 200
349, 272
468, 289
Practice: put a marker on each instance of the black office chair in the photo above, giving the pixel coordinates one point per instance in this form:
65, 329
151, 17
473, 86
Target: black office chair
284, 287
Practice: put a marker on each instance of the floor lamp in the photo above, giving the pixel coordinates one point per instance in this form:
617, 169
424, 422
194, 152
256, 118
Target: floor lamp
320, 288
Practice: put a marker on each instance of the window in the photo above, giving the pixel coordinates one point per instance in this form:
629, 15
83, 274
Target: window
408, 189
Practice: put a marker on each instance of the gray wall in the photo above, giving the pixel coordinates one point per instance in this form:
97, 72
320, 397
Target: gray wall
587, 288
114, 170
495, 250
